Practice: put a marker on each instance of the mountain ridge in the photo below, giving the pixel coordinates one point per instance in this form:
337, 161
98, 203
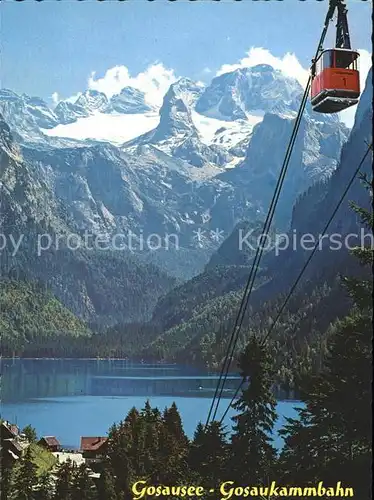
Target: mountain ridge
197, 316
192, 176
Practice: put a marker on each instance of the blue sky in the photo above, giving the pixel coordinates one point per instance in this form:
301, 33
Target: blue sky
53, 47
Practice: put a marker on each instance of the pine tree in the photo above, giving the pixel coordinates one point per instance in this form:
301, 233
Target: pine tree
30, 433
106, 486
83, 487
151, 425
198, 442
45, 487
6, 474
253, 455
173, 423
335, 426
121, 455
26, 478
64, 481
172, 467
208, 454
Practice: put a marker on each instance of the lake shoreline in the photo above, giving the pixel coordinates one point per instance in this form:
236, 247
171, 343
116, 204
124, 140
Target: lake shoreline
280, 395
74, 398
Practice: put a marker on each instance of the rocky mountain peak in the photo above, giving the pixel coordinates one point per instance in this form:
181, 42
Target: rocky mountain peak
175, 116
245, 91
129, 101
186, 90
92, 100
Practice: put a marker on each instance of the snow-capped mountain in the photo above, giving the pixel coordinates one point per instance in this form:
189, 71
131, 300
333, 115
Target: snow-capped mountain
92, 116
26, 115
314, 158
33, 109
206, 159
43, 115
176, 133
129, 101
175, 113
204, 126
255, 90
175, 123
88, 103
92, 101
29, 119
69, 112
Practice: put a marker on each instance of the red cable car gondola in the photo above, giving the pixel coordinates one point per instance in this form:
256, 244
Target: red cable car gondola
335, 76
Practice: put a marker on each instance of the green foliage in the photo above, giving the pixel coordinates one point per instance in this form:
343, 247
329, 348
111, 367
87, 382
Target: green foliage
252, 454
45, 487
148, 445
106, 486
83, 487
25, 479
42, 458
209, 454
27, 313
335, 426
30, 433
64, 481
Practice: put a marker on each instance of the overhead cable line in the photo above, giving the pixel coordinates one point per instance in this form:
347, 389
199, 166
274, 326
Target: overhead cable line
249, 286
260, 248
370, 147
317, 244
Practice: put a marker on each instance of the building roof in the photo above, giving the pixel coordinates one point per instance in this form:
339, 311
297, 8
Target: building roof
92, 443
13, 442
17, 444
50, 440
12, 428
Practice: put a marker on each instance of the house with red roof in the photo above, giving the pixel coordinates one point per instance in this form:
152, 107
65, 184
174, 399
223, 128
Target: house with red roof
93, 449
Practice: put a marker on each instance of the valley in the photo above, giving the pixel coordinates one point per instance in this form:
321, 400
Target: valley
186, 249
164, 194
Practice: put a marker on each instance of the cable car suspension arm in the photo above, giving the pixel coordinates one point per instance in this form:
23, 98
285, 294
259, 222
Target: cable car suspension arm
342, 32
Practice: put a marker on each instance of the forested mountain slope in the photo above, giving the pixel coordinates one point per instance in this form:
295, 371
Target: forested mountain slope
26, 309
96, 285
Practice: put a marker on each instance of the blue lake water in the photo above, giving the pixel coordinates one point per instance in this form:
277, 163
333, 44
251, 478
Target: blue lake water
73, 398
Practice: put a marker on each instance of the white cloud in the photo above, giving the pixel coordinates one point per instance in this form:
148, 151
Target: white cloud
154, 82
288, 64
55, 98
291, 67
348, 116
156, 79
73, 98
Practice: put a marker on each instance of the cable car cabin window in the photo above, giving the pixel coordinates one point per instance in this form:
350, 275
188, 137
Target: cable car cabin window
319, 66
346, 60
327, 59
324, 61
